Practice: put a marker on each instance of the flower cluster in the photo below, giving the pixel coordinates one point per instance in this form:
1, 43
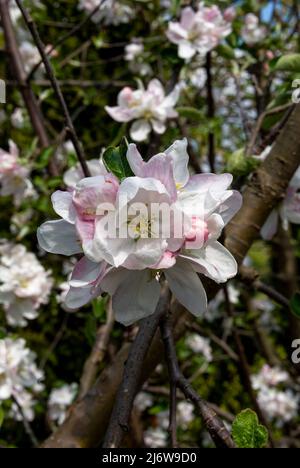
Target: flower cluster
200, 31
14, 176
252, 32
201, 345
24, 284
59, 401
129, 261
20, 379
111, 12
150, 109
280, 405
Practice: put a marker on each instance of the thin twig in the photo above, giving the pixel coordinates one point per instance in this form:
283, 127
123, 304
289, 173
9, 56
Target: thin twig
120, 416
70, 129
98, 352
26, 424
213, 424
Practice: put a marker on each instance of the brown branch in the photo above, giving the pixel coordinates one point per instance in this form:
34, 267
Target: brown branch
69, 123
213, 424
16, 61
132, 375
97, 355
87, 421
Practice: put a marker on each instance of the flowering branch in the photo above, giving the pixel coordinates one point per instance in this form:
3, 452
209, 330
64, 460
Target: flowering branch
70, 129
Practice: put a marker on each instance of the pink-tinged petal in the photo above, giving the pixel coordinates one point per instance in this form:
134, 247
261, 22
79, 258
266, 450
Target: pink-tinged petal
86, 273
125, 97
120, 114
176, 33
212, 182
186, 50
59, 237
168, 260
213, 260
187, 18
63, 205
230, 206
85, 229
178, 153
158, 126
135, 160
156, 88
215, 226
79, 297
13, 149
135, 294
187, 287
270, 227
140, 130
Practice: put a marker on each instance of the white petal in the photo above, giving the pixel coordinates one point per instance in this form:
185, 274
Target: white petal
187, 287
186, 50
78, 297
179, 154
63, 206
140, 130
269, 229
85, 273
214, 261
59, 237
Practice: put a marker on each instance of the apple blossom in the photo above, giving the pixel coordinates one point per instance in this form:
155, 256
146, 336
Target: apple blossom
24, 284
288, 211
269, 376
129, 266
201, 345
111, 12
19, 376
59, 401
150, 109
199, 31
133, 50
252, 32
185, 414
143, 401
155, 437
14, 176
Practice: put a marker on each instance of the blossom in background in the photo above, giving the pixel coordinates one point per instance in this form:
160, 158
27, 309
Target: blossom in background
136, 59
279, 404
288, 211
30, 55
59, 401
18, 117
133, 50
200, 31
155, 438
252, 32
14, 178
185, 414
150, 108
201, 345
24, 284
143, 401
111, 12
129, 267
20, 378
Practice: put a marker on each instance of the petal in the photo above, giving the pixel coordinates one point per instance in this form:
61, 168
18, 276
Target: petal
213, 260
180, 157
270, 227
63, 206
230, 206
158, 126
86, 272
186, 50
187, 287
78, 297
187, 18
140, 130
59, 237
136, 297
119, 114
213, 182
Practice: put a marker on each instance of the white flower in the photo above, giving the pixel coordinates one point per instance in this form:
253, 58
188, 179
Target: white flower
185, 413
111, 12
251, 32
133, 50
30, 55
18, 118
24, 284
13, 176
269, 376
199, 31
281, 406
143, 401
150, 109
198, 344
19, 376
59, 401
155, 438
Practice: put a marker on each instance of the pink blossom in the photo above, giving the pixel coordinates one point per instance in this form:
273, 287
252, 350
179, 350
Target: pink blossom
150, 109
199, 31
252, 32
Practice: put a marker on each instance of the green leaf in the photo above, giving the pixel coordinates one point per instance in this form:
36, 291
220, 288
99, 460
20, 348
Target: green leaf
295, 304
247, 432
190, 113
116, 162
289, 62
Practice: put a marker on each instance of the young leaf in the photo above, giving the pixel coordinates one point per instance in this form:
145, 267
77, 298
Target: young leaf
116, 162
289, 62
247, 432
